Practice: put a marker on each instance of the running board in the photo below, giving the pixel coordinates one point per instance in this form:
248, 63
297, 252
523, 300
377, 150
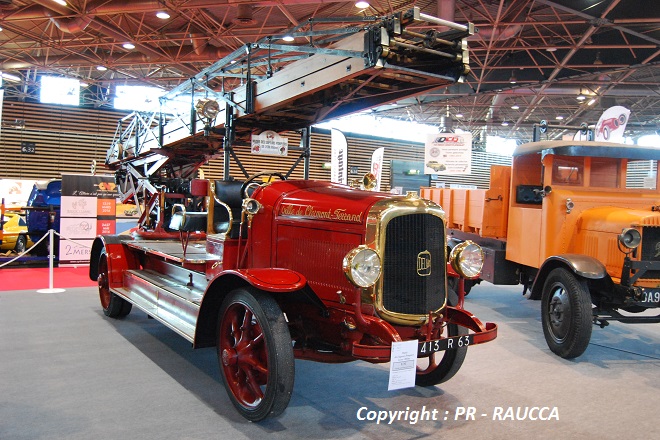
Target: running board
164, 299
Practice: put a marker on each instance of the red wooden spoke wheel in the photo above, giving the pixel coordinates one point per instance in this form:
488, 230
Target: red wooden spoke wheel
255, 353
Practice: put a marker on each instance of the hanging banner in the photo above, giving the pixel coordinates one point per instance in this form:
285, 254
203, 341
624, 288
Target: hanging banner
377, 165
338, 159
2, 94
612, 124
448, 153
270, 143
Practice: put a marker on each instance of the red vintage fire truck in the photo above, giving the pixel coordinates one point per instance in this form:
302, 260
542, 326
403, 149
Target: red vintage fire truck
269, 269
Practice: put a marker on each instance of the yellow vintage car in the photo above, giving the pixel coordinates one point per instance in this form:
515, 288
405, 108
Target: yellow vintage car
13, 233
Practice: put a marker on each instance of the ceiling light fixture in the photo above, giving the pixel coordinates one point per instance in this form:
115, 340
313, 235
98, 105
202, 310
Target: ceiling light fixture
129, 46
163, 15
592, 101
515, 107
505, 123
10, 77
60, 2
101, 68
559, 118
598, 61
288, 38
362, 5
513, 78
581, 97
459, 115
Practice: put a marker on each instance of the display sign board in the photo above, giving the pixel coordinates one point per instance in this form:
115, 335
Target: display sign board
88, 209
612, 124
15, 192
270, 143
448, 153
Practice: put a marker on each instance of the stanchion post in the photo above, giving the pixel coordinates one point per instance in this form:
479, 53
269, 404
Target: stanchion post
51, 259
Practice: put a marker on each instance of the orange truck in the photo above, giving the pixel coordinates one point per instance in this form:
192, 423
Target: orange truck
572, 223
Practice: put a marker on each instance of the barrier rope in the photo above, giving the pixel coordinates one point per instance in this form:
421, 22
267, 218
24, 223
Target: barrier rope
51, 257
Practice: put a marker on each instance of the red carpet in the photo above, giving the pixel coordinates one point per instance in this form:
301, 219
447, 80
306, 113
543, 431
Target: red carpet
29, 278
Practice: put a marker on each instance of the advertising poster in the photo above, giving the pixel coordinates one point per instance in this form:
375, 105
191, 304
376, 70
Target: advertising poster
612, 124
270, 143
88, 210
15, 192
339, 154
448, 153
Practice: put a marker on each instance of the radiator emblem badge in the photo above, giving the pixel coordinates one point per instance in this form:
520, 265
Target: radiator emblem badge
424, 264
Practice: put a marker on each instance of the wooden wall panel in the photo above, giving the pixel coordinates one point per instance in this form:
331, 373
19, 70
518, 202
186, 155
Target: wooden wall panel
67, 139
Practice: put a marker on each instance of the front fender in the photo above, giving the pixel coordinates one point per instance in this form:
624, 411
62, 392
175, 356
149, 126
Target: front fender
271, 279
274, 280
583, 266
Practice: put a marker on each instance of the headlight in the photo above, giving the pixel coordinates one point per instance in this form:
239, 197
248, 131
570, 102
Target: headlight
362, 266
630, 238
467, 259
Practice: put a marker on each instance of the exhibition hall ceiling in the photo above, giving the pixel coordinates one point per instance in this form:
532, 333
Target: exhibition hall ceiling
530, 59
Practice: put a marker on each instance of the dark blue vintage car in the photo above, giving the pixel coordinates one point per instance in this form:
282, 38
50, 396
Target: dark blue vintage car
43, 212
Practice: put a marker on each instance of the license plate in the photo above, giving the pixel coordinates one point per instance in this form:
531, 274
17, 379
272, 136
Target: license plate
650, 298
429, 347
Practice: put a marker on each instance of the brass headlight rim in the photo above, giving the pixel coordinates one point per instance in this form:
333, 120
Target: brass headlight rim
347, 265
455, 254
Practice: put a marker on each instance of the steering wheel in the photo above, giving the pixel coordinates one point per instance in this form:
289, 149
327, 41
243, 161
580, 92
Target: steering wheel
250, 182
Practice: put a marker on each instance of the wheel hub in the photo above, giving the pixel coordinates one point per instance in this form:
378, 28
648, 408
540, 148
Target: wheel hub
556, 309
229, 357
559, 313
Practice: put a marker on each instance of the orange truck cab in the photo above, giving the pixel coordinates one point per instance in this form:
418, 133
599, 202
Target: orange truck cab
578, 224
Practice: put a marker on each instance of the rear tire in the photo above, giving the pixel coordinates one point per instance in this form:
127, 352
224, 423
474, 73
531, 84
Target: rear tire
566, 313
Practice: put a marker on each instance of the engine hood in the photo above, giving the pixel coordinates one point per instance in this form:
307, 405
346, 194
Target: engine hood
611, 219
320, 200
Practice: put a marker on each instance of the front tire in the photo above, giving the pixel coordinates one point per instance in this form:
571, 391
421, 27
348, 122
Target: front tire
566, 313
441, 366
255, 354
113, 305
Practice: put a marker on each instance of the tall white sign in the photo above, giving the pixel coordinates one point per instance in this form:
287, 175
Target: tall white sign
2, 94
339, 153
377, 165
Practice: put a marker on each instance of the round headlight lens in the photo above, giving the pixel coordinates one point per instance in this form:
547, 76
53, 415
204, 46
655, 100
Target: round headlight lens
467, 259
630, 238
362, 266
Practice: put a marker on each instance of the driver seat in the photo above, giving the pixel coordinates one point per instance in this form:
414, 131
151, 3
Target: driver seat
229, 192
